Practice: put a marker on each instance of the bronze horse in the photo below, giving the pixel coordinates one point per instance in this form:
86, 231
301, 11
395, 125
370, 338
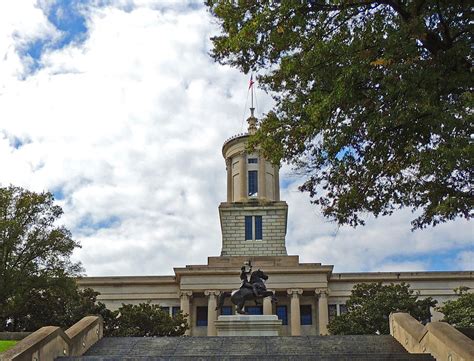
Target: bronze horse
238, 297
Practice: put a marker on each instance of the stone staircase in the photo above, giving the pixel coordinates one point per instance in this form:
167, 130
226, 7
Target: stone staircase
315, 348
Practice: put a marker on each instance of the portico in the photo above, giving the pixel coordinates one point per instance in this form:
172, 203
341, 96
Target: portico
295, 284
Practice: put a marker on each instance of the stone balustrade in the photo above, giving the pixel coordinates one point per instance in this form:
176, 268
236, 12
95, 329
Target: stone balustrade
50, 342
439, 339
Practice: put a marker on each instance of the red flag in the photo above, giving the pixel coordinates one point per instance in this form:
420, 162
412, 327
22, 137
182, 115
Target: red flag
251, 81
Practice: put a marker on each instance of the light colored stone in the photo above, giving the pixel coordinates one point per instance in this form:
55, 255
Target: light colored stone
295, 311
439, 339
322, 294
248, 325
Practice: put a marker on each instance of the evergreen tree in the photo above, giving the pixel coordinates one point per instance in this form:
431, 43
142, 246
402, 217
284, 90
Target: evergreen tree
370, 305
37, 277
460, 312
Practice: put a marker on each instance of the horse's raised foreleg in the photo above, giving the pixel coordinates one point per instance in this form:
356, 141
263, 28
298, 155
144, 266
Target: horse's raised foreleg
270, 294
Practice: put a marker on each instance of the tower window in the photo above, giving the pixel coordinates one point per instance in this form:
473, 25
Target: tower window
253, 228
248, 228
253, 183
253, 160
258, 227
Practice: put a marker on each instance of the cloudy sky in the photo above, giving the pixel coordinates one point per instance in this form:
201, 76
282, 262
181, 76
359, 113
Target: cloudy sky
116, 108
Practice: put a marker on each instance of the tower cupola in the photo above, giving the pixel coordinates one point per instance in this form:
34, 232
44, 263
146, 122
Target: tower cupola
253, 219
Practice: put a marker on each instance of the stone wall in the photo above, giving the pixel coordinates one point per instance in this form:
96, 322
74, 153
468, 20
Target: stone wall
274, 221
439, 339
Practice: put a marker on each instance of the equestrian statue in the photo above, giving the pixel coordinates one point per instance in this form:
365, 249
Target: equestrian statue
251, 289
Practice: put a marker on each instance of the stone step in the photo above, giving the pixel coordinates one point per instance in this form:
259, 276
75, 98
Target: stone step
339, 357
318, 348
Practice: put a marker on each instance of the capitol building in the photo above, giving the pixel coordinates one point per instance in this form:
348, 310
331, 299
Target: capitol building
253, 222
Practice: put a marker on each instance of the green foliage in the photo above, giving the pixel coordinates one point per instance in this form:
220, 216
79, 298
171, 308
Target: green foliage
145, 320
36, 273
460, 312
373, 99
370, 305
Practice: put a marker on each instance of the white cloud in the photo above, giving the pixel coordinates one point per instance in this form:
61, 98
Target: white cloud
128, 126
465, 260
384, 243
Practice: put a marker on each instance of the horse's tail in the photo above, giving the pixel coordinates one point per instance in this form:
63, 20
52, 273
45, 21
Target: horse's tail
222, 297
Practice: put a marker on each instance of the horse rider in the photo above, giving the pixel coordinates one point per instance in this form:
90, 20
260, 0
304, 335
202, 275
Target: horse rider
245, 272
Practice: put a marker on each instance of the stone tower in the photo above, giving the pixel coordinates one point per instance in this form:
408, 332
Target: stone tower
253, 220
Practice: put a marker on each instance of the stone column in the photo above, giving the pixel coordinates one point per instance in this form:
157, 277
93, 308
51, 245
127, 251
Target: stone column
228, 163
262, 186
295, 321
267, 306
276, 178
323, 310
185, 297
211, 311
243, 176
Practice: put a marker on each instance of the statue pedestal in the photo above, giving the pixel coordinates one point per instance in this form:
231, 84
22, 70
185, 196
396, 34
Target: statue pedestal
248, 325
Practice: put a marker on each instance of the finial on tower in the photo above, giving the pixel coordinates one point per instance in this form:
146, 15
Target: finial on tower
252, 120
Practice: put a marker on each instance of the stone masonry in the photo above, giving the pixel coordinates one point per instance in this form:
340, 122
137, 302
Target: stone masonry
274, 221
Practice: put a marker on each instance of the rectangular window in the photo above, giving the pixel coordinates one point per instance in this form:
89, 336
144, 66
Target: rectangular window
253, 160
166, 309
201, 316
226, 310
175, 310
282, 314
253, 183
342, 309
254, 310
332, 311
258, 228
306, 316
248, 228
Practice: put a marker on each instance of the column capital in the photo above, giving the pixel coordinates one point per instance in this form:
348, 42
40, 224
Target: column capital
294, 291
212, 292
185, 294
228, 161
321, 292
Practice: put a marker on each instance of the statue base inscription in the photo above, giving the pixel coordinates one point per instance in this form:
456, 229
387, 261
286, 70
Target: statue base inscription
248, 325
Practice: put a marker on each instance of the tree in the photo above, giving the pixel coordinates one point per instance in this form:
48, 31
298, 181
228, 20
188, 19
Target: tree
460, 312
373, 99
146, 320
36, 273
370, 305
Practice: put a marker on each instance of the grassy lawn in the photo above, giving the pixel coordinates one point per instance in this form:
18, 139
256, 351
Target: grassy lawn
5, 345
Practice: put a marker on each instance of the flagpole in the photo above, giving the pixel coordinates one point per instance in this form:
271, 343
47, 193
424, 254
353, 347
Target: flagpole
251, 95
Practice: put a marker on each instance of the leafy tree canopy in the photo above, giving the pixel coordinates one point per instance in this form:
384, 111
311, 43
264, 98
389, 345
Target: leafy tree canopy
35, 267
373, 99
146, 320
370, 305
460, 312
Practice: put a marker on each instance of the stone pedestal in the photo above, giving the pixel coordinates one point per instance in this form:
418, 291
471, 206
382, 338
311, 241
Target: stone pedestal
248, 325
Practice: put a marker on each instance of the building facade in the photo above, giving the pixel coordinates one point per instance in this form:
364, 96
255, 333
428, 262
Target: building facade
253, 223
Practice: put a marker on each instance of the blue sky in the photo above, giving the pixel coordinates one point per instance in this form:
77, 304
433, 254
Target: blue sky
67, 18
117, 108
